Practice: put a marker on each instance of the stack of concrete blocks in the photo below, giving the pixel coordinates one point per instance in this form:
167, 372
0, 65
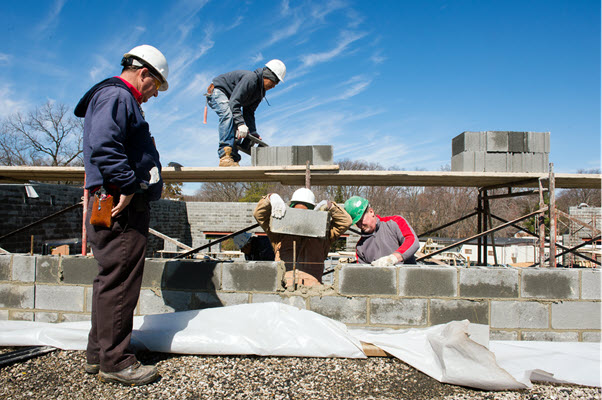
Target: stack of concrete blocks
501, 151
291, 155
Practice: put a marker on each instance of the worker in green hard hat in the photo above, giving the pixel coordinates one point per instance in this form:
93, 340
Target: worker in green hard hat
385, 241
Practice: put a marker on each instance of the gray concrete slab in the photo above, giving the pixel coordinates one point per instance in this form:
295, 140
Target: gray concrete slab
59, 297
540, 336
48, 269
590, 284
550, 283
443, 311
519, 314
307, 223
16, 296
516, 142
191, 275
79, 270
427, 281
251, 277
386, 311
5, 267
24, 268
489, 282
348, 310
576, 315
497, 141
366, 279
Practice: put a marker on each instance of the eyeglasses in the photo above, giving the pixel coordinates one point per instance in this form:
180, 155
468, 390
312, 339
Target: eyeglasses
157, 80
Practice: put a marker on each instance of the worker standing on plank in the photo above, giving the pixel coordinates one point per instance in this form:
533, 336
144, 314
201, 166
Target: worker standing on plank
121, 164
385, 241
308, 252
234, 96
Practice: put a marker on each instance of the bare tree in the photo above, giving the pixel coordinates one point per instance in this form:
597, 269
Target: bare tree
49, 135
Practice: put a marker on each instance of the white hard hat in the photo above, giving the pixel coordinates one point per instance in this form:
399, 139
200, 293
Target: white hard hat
278, 68
305, 196
149, 57
242, 239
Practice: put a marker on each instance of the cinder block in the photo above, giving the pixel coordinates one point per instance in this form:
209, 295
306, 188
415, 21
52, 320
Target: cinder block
5, 270
536, 142
469, 141
428, 282
516, 142
251, 277
517, 163
24, 268
528, 164
344, 309
540, 163
463, 161
497, 141
75, 317
479, 161
295, 301
20, 315
308, 223
79, 270
291, 155
16, 296
495, 334
322, 155
489, 282
166, 301
367, 280
576, 315
591, 336
59, 298
534, 336
411, 312
202, 300
51, 317
47, 269
153, 272
550, 283
496, 162
444, 311
232, 299
590, 284
519, 314
191, 275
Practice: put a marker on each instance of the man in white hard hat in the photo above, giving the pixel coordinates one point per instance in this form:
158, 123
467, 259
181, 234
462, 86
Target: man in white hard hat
310, 252
235, 96
122, 170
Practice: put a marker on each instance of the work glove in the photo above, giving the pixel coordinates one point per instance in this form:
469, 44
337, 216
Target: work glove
385, 261
278, 206
324, 205
242, 132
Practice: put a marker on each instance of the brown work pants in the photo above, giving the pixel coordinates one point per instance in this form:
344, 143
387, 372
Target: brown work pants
119, 251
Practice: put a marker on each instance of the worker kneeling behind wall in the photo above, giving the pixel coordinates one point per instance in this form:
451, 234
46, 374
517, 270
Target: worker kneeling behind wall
310, 252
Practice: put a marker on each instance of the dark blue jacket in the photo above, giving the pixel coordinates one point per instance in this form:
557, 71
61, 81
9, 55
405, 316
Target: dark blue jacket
119, 150
244, 90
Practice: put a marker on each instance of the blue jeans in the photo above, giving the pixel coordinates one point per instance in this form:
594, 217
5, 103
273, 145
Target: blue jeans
218, 101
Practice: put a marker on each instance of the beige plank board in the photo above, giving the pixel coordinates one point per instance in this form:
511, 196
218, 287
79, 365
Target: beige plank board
320, 176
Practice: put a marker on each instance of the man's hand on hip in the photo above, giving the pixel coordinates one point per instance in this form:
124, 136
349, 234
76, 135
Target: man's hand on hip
123, 203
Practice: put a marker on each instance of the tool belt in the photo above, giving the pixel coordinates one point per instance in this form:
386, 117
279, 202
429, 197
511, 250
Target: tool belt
210, 89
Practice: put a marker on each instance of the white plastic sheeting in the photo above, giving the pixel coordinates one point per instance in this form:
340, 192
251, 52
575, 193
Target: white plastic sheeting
454, 353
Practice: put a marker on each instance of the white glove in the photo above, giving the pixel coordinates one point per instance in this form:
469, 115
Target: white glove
278, 206
242, 132
385, 261
322, 206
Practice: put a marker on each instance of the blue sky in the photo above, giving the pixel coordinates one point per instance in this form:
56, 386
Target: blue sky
385, 81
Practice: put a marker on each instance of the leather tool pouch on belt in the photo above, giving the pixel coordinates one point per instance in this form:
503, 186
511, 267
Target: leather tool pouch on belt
101, 210
210, 89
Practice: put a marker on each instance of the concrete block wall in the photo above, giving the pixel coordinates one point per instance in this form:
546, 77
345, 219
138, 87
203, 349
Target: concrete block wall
517, 304
501, 151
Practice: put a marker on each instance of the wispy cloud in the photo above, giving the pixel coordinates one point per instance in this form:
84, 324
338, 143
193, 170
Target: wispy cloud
257, 58
354, 86
319, 12
5, 58
9, 104
377, 58
346, 38
101, 68
50, 20
290, 30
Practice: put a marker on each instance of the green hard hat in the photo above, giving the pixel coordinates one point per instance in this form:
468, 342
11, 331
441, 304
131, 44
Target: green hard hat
356, 206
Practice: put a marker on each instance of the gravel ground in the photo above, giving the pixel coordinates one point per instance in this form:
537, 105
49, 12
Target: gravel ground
59, 375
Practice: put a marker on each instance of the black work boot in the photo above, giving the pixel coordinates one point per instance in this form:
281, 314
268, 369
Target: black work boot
134, 375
